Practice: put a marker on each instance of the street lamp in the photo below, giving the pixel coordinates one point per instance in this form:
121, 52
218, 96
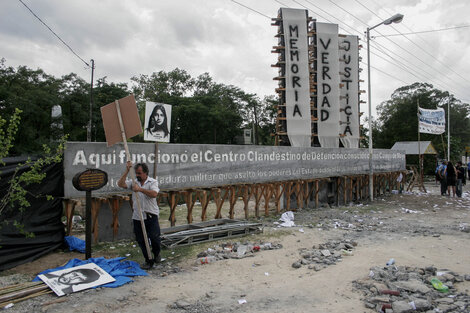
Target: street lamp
397, 18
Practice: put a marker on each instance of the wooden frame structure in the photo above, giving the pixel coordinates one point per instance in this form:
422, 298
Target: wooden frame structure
268, 198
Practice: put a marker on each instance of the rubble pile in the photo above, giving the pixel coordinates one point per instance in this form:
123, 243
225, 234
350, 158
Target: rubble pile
323, 255
234, 251
403, 289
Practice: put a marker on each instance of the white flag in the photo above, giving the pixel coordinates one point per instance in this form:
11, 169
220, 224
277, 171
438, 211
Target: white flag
432, 121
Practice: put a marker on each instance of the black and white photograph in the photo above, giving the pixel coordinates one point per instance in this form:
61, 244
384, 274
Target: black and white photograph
157, 122
76, 278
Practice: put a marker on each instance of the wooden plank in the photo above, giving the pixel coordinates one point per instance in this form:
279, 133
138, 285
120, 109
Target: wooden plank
204, 202
172, 202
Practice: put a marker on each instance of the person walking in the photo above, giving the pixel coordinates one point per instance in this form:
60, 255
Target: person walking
451, 175
147, 189
442, 177
460, 179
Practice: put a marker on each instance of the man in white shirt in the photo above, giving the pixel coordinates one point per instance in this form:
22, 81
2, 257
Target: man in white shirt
147, 189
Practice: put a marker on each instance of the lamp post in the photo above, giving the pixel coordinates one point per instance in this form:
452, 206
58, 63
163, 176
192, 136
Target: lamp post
397, 18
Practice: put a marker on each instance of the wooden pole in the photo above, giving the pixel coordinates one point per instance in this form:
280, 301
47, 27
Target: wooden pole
128, 155
155, 162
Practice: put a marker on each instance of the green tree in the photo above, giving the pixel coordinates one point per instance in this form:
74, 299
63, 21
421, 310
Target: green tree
397, 118
203, 111
15, 196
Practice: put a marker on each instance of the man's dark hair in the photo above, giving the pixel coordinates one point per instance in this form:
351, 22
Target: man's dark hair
91, 275
144, 167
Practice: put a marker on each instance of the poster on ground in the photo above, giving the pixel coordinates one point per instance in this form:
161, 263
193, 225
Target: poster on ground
77, 278
157, 122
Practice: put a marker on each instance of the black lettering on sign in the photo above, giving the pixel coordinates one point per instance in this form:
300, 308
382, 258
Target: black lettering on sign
324, 115
347, 81
293, 29
347, 111
326, 88
294, 68
323, 43
325, 102
295, 81
347, 58
347, 129
347, 45
347, 72
294, 53
292, 43
325, 70
296, 93
324, 57
297, 110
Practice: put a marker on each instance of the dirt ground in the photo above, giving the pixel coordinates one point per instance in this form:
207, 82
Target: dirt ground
415, 229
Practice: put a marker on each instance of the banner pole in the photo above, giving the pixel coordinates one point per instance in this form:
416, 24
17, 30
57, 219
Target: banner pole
419, 149
124, 140
448, 130
155, 162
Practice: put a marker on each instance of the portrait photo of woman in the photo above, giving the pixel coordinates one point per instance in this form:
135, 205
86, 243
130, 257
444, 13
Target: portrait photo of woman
157, 122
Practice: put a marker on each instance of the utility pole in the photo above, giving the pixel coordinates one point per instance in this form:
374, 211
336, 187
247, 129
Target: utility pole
88, 132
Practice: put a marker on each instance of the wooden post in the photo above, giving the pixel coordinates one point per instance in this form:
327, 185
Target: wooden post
69, 208
128, 155
268, 192
233, 200
204, 202
246, 198
189, 205
95, 210
172, 202
317, 190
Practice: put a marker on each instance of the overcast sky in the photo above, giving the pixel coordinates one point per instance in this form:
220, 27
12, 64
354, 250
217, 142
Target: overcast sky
233, 43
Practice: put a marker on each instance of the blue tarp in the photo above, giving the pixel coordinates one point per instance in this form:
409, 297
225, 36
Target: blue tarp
75, 243
121, 271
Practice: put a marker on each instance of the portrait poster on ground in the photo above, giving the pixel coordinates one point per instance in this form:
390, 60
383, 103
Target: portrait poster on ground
76, 278
432, 121
157, 122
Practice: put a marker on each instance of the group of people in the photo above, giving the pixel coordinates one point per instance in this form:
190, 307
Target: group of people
452, 178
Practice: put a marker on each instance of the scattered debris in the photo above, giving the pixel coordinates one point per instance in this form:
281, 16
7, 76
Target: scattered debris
234, 251
402, 289
325, 254
287, 219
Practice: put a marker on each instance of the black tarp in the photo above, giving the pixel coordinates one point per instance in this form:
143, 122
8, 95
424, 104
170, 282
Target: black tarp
42, 218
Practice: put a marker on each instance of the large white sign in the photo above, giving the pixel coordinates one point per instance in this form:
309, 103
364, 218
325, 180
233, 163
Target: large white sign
157, 122
298, 119
328, 85
432, 121
203, 166
349, 101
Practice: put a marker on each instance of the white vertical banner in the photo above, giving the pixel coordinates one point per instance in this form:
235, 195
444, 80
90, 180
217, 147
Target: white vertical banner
349, 101
298, 115
328, 85
157, 122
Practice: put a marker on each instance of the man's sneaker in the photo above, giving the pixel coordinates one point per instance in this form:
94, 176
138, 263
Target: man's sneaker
147, 265
158, 259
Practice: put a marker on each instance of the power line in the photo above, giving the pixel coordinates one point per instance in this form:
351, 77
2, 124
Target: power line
424, 31
422, 39
54, 33
399, 64
251, 9
385, 73
413, 55
282, 3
